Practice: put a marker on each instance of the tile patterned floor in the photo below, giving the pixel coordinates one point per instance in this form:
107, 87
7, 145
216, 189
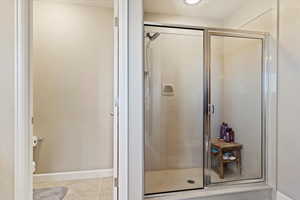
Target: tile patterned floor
89, 189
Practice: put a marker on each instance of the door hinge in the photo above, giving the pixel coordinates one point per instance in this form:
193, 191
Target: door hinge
32, 120
116, 182
116, 21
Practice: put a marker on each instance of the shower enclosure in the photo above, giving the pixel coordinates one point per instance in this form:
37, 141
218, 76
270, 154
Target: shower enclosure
195, 80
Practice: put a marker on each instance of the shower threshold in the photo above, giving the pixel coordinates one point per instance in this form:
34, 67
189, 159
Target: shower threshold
172, 180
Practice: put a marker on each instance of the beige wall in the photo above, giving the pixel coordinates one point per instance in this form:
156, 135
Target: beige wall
7, 99
289, 98
73, 85
250, 13
183, 20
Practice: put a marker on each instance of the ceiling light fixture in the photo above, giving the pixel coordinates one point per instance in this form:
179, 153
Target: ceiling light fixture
192, 2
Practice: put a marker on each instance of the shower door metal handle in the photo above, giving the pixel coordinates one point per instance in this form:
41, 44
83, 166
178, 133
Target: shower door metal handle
211, 109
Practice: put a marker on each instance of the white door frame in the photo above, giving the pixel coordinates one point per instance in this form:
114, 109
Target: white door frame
23, 114
23, 144
122, 21
136, 99
115, 103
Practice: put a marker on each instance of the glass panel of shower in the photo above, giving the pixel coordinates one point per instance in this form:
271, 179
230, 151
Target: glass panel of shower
236, 105
173, 109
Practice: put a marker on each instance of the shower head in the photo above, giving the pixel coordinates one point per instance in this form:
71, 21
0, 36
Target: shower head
153, 37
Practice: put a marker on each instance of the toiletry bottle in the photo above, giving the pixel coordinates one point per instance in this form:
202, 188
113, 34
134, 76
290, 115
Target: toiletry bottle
221, 131
232, 136
224, 131
227, 135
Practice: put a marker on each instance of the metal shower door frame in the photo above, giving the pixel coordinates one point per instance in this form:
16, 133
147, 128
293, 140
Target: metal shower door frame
208, 33
233, 33
179, 31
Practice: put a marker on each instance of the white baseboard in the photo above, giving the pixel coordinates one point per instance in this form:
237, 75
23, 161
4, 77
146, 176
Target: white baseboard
281, 196
76, 175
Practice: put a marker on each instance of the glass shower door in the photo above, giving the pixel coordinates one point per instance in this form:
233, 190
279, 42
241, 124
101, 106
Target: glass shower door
236, 106
173, 109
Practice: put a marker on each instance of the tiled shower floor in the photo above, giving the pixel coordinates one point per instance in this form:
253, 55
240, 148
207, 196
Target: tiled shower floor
172, 180
178, 179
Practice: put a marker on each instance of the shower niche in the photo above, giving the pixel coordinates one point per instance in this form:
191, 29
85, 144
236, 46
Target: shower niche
205, 94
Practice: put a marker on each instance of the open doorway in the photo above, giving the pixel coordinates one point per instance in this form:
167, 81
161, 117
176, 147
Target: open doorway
74, 82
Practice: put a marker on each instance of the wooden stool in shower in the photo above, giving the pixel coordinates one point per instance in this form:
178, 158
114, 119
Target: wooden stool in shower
222, 148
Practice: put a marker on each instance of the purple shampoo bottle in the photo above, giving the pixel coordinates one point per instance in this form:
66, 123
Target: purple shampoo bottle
224, 131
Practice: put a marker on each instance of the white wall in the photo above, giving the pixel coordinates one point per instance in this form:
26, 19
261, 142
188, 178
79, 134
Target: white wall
73, 86
289, 98
7, 99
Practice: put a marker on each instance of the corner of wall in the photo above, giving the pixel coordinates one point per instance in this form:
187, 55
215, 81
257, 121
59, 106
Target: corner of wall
281, 196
